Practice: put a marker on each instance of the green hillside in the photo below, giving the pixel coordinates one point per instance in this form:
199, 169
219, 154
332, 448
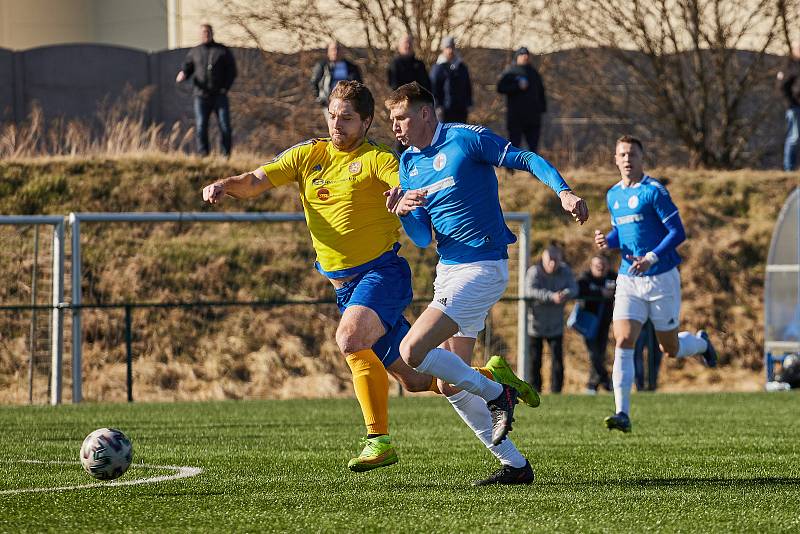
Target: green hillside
288, 351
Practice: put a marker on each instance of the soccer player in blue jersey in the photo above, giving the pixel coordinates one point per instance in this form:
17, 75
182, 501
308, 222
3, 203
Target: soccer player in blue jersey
646, 227
448, 188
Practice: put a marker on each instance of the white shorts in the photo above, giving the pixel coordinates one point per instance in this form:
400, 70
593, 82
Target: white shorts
656, 297
465, 292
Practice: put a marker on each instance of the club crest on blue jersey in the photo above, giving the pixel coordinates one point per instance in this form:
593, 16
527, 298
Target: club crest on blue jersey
633, 202
439, 161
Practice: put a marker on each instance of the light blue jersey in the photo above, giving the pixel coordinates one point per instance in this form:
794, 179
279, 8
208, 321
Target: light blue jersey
462, 203
645, 219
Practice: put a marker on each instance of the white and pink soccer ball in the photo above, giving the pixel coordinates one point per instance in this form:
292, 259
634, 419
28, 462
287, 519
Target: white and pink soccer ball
106, 453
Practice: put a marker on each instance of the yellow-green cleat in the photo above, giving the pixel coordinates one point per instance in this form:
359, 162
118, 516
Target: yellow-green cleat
505, 375
377, 452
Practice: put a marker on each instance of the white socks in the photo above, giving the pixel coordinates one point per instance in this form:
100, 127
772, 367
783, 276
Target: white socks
474, 412
452, 369
690, 344
622, 376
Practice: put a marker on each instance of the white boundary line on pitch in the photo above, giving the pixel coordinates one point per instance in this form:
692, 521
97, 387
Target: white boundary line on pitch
180, 472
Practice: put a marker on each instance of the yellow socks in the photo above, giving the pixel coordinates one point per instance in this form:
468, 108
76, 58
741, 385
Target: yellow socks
371, 384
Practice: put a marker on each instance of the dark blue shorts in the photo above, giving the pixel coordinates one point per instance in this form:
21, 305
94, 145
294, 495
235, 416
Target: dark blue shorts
386, 290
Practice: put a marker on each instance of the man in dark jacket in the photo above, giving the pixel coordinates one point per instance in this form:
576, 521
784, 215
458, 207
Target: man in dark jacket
452, 88
596, 289
213, 70
524, 90
406, 68
550, 284
330, 71
790, 87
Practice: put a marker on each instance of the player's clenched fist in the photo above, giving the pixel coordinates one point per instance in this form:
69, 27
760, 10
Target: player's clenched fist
213, 193
575, 205
411, 200
600, 239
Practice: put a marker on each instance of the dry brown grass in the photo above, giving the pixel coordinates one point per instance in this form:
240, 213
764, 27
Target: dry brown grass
118, 128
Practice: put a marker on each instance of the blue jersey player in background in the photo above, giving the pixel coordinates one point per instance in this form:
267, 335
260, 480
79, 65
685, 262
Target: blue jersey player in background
449, 190
646, 227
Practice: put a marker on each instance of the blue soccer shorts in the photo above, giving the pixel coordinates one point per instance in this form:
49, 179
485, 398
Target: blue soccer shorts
385, 289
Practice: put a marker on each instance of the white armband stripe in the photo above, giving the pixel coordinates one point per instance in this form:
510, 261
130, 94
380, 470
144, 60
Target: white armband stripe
503, 155
668, 217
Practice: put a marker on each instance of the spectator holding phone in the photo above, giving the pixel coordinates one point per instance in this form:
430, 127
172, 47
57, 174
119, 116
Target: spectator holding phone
596, 288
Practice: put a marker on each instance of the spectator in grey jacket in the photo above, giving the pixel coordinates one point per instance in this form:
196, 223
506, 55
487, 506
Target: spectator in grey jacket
213, 70
550, 284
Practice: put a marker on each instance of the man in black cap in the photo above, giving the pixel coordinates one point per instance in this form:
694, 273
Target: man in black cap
524, 90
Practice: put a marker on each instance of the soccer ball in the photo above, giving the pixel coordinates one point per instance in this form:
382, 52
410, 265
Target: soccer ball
106, 453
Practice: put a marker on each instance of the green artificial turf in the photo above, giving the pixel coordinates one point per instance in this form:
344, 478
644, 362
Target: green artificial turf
693, 463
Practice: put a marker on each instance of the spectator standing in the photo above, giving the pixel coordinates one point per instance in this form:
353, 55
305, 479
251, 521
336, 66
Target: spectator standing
406, 68
213, 69
789, 82
596, 287
330, 71
526, 101
452, 88
550, 284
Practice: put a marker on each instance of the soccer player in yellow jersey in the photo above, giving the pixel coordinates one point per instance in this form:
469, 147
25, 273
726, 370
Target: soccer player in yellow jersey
342, 182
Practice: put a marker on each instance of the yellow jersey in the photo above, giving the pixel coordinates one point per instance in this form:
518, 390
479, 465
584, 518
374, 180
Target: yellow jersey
342, 195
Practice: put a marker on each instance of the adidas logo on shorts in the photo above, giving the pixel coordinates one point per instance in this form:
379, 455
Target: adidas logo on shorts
442, 301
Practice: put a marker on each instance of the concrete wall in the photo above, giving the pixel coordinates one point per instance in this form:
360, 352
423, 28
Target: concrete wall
6, 85
72, 80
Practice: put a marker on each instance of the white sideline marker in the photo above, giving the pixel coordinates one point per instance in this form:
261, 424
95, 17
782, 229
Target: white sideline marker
180, 472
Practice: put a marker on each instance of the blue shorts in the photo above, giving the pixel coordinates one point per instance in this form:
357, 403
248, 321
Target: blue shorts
386, 290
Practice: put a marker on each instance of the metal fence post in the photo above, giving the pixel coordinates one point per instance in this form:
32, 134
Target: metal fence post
32, 340
129, 351
57, 315
522, 304
77, 336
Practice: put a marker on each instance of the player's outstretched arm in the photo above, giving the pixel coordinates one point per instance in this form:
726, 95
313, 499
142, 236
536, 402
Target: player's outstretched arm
247, 185
525, 160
